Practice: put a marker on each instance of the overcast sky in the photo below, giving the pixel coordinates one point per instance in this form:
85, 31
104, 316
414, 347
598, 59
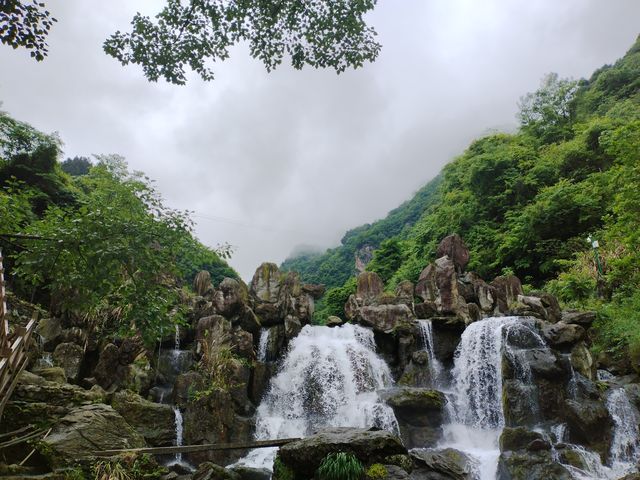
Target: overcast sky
272, 161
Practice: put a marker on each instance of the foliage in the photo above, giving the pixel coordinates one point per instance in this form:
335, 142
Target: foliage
76, 166
218, 363
333, 301
197, 33
25, 24
128, 467
107, 470
340, 466
377, 471
281, 471
386, 259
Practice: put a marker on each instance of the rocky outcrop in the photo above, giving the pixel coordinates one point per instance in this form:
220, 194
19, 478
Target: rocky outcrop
154, 421
124, 366
419, 412
202, 283
69, 357
453, 247
446, 464
525, 465
303, 457
86, 429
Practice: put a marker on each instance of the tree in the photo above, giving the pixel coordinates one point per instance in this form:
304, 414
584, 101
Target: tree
548, 111
76, 166
196, 33
25, 24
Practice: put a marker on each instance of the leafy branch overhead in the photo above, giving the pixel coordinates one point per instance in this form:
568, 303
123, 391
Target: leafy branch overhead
25, 25
198, 33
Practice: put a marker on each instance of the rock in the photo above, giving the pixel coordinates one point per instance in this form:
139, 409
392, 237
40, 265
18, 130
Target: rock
519, 403
334, 321
524, 465
425, 310
446, 464
575, 317
404, 292
369, 446
248, 473
213, 326
438, 285
453, 247
275, 342
85, 429
426, 287
481, 293
69, 357
184, 386
265, 284
316, 291
52, 374
417, 373
138, 376
538, 444
369, 287
582, 361
230, 297
535, 304
211, 471
551, 305
49, 330
562, 334
390, 472
202, 283
242, 344
262, 373
108, 365
474, 312
384, 318
247, 320
507, 289
419, 412
518, 438
154, 421
292, 327
543, 363
589, 424
363, 256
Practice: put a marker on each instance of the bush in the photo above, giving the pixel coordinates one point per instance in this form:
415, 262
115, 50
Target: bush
340, 466
281, 471
376, 471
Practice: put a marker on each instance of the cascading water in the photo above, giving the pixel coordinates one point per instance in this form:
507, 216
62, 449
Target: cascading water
625, 447
178, 420
262, 345
475, 405
328, 378
435, 367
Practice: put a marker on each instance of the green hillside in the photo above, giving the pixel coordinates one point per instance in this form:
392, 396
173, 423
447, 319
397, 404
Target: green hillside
526, 202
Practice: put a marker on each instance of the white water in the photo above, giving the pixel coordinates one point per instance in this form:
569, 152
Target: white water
625, 447
262, 345
328, 378
178, 417
435, 367
475, 406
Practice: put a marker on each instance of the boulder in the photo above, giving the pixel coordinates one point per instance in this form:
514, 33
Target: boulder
438, 286
86, 429
526, 465
334, 321
562, 334
49, 330
519, 403
315, 290
453, 247
426, 287
589, 424
265, 284
247, 320
154, 421
202, 283
69, 357
184, 387
248, 473
446, 464
420, 413
404, 292
52, 374
384, 318
478, 291
507, 289
230, 297
582, 361
213, 326
242, 344
211, 471
534, 304
518, 438
575, 317
417, 373
369, 287
292, 327
369, 446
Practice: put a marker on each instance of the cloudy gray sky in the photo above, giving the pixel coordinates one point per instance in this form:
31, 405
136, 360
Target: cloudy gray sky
272, 161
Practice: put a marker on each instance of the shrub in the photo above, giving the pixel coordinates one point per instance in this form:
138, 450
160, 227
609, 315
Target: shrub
340, 466
281, 471
376, 471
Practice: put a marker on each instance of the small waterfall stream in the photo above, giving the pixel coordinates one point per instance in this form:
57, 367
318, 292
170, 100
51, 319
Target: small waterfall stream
178, 416
262, 345
328, 378
435, 367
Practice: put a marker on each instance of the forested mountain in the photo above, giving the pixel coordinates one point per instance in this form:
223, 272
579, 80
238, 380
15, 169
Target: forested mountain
526, 202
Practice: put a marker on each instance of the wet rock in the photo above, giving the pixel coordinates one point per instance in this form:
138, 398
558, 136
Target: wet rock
262, 373
518, 438
446, 464
417, 373
154, 421
369, 446
453, 247
292, 327
576, 317
265, 284
248, 473
98, 426
582, 361
519, 403
438, 286
275, 342
69, 357
589, 424
524, 465
369, 287
561, 334
419, 412
384, 318
211, 471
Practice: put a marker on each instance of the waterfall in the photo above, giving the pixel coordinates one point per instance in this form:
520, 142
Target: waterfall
475, 406
328, 378
625, 447
176, 346
435, 367
178, 417
262, 345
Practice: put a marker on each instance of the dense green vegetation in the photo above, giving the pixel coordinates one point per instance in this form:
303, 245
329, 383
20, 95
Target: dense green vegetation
103, 247
526, 203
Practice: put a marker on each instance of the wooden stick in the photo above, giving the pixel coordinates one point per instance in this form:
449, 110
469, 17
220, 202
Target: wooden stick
198, 448
34, 450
